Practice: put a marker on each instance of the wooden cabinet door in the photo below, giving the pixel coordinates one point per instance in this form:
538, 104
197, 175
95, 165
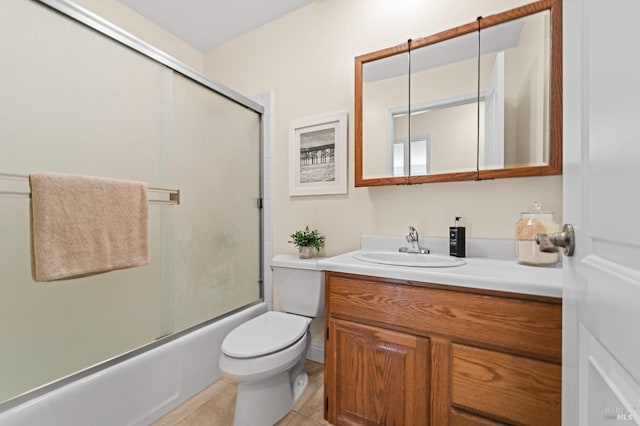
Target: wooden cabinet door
376, 376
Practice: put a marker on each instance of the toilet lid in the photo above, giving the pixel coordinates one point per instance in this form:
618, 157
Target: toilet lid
265, 334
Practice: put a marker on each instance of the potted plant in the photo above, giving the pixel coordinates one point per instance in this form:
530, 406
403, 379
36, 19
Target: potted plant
308, 242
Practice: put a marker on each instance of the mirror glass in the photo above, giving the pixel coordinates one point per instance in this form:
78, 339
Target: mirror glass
385, 91
515, 60
443, 112
424, 114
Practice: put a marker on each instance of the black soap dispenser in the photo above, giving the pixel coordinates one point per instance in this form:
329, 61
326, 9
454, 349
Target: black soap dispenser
457, 241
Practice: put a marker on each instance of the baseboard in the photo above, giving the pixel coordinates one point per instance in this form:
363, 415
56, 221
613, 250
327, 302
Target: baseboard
316, 352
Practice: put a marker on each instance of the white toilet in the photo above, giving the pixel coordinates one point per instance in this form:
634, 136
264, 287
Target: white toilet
266, 355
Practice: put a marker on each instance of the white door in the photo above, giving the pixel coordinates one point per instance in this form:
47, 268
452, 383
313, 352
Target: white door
601, 348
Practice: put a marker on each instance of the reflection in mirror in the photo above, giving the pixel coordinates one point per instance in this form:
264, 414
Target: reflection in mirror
444, 108
516, 64
385, 87
409, 157
450, 133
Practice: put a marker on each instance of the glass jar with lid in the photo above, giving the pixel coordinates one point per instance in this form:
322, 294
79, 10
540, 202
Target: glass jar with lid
530, 224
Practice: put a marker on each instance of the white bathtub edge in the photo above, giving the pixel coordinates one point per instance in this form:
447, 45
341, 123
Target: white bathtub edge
138, 390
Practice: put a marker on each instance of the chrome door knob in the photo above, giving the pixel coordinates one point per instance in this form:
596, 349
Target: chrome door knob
561, 241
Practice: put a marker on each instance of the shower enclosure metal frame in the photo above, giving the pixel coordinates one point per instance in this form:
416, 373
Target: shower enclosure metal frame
102, 26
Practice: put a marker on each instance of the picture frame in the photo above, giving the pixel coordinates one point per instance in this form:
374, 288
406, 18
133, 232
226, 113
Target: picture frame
318, 155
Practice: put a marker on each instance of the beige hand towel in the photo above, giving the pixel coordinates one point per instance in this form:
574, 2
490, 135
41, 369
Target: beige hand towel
82, 225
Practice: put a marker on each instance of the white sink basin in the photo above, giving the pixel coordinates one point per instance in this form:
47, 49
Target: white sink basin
409, 259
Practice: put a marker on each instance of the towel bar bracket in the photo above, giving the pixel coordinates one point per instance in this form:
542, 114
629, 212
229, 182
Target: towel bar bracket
175, 197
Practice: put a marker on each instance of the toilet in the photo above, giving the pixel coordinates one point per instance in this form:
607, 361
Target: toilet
266, 355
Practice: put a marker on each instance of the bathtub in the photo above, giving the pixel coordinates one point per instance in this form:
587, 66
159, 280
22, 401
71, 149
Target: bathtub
138, 390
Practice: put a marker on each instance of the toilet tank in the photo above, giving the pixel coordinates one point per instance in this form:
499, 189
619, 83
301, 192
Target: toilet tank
299, 285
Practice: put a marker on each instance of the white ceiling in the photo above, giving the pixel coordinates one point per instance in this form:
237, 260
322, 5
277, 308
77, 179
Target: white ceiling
206, 24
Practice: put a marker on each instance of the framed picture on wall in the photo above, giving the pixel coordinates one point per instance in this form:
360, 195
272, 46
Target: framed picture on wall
318, 155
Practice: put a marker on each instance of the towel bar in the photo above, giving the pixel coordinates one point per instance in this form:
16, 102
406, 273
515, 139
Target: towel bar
174, 194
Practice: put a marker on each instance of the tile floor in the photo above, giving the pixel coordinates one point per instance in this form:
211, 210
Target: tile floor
215, 405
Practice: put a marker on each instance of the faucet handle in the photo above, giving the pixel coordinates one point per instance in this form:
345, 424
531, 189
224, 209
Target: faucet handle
414, 240
413, 235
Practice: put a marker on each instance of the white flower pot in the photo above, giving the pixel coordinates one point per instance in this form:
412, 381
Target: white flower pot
307, 252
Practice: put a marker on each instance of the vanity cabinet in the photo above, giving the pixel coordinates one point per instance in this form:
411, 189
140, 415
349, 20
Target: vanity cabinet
412, 353
382, 375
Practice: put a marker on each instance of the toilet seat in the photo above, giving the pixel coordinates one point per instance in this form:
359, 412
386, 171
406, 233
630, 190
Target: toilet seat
265, 334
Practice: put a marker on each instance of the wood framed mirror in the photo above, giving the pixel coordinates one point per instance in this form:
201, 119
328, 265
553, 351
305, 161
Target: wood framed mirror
479, 101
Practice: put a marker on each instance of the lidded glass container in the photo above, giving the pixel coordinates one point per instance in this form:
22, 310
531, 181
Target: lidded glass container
530, 224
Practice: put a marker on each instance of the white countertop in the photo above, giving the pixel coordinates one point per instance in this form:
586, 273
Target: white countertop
479, 272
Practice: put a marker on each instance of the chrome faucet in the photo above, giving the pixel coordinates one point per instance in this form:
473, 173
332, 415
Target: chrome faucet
414, 243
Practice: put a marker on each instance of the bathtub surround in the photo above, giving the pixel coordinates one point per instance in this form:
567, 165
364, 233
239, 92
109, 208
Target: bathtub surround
85, 225
75, 101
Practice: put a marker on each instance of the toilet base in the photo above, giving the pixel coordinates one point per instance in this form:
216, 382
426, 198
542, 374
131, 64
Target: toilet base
264, 403
268, 387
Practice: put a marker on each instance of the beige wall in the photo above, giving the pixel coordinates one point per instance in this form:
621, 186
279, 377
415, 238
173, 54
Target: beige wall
307, 58
134, 23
